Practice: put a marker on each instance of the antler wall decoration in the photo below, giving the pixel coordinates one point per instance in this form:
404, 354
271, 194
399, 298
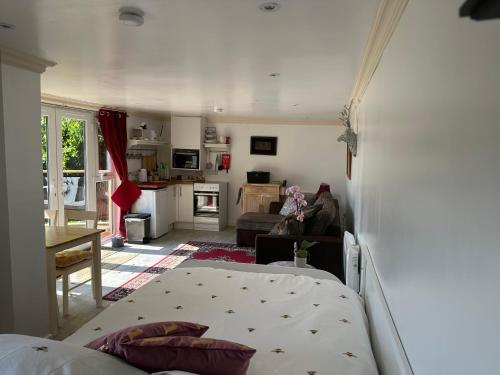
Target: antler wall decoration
349, 136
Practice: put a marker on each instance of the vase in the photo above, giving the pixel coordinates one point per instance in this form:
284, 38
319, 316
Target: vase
300, 262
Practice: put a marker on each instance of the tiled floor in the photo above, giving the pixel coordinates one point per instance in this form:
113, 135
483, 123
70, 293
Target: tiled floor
121, 266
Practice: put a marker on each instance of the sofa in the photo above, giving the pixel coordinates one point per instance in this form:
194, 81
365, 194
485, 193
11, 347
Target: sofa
250, 224
253, 230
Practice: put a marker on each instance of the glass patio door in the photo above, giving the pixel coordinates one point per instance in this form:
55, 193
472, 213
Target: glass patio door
76, 168
74, 160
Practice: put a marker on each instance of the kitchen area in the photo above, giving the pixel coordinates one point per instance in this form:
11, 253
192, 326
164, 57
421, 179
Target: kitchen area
169, 166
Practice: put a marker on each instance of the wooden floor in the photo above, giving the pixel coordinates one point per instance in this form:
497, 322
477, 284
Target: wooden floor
120, 266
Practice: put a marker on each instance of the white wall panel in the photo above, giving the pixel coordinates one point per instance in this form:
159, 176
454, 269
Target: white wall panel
425, 189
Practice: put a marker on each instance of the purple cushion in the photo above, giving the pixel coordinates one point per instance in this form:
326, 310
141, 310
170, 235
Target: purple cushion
199, 355
107, 342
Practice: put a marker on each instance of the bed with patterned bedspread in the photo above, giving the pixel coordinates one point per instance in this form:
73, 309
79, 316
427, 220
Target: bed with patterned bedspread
298, 324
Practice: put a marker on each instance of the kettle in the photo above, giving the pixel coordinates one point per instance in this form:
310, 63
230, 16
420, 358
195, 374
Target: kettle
143, 175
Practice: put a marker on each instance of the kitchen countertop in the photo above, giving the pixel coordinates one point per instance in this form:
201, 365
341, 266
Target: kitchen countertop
156, 185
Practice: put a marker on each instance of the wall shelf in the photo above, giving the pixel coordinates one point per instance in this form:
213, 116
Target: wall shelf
135, 144
217, 146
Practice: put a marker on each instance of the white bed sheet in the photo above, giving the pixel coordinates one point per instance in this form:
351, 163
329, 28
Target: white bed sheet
259, 268
298, 324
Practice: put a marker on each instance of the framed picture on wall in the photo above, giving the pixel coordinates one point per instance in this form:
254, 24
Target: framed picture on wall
263, 145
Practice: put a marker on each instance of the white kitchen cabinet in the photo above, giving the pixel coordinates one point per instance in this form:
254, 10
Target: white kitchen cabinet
162, 212
171, 204
185, 204
187, 132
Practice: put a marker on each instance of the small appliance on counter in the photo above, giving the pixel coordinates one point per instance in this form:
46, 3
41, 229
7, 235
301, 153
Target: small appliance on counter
185, 159
258, 177
142, 175
137, 227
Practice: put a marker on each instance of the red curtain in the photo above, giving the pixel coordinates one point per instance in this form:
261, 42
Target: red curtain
114, 132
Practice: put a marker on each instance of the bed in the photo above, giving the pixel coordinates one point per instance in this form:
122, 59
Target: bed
300, 321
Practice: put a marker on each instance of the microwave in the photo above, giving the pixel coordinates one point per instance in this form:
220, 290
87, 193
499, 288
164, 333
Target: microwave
185, 159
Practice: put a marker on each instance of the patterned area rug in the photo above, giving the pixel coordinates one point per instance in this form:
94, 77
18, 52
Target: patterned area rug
193, 249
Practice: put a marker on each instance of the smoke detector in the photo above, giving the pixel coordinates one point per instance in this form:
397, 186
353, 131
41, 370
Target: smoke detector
131, 16
269, 7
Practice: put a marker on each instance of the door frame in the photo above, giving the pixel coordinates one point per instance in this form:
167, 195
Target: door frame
52, 159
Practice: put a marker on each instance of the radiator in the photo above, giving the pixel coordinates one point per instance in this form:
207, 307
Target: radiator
351, 261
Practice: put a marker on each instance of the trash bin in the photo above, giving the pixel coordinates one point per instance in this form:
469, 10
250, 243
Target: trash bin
137, 227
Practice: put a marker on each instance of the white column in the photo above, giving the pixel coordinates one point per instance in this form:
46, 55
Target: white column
23, 286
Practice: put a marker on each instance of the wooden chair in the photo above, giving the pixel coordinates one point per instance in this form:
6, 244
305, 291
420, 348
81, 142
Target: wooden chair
51, 216
74, 260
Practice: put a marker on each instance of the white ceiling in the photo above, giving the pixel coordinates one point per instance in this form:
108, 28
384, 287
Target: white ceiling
192, 55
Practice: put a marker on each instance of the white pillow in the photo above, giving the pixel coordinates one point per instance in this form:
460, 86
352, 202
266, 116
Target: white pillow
27, 355
288, 207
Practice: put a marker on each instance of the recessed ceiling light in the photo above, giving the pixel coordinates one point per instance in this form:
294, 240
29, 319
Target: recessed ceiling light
269, 7
218, 109
274, 75
7, 26
131, 16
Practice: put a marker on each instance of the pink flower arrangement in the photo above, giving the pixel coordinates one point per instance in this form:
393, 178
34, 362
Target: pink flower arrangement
298, 198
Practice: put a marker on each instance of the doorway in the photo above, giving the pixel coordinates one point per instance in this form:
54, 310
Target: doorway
77, 173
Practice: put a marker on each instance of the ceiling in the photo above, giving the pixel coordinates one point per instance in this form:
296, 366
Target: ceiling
193, 55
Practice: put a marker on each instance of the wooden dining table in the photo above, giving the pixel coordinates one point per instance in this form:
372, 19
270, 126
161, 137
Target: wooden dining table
62, 238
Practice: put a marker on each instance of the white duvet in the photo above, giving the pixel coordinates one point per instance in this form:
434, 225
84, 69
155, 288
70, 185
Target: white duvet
298, 324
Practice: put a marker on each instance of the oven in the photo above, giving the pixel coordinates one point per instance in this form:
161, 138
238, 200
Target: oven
206, 203
185, 159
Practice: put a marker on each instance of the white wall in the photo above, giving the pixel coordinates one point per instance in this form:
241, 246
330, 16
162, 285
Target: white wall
425, 190
23, 193
6, 307
307, 155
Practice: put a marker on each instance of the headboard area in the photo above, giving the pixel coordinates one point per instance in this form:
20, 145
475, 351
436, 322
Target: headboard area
386, 343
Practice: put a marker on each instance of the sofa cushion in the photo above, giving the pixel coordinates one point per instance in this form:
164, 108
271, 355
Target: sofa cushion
310, 198
290, 226
110, 342
288, 207
71, 257
320, 222
186, 353
257, 221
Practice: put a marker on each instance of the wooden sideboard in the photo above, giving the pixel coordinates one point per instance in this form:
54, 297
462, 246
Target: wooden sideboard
258, 197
